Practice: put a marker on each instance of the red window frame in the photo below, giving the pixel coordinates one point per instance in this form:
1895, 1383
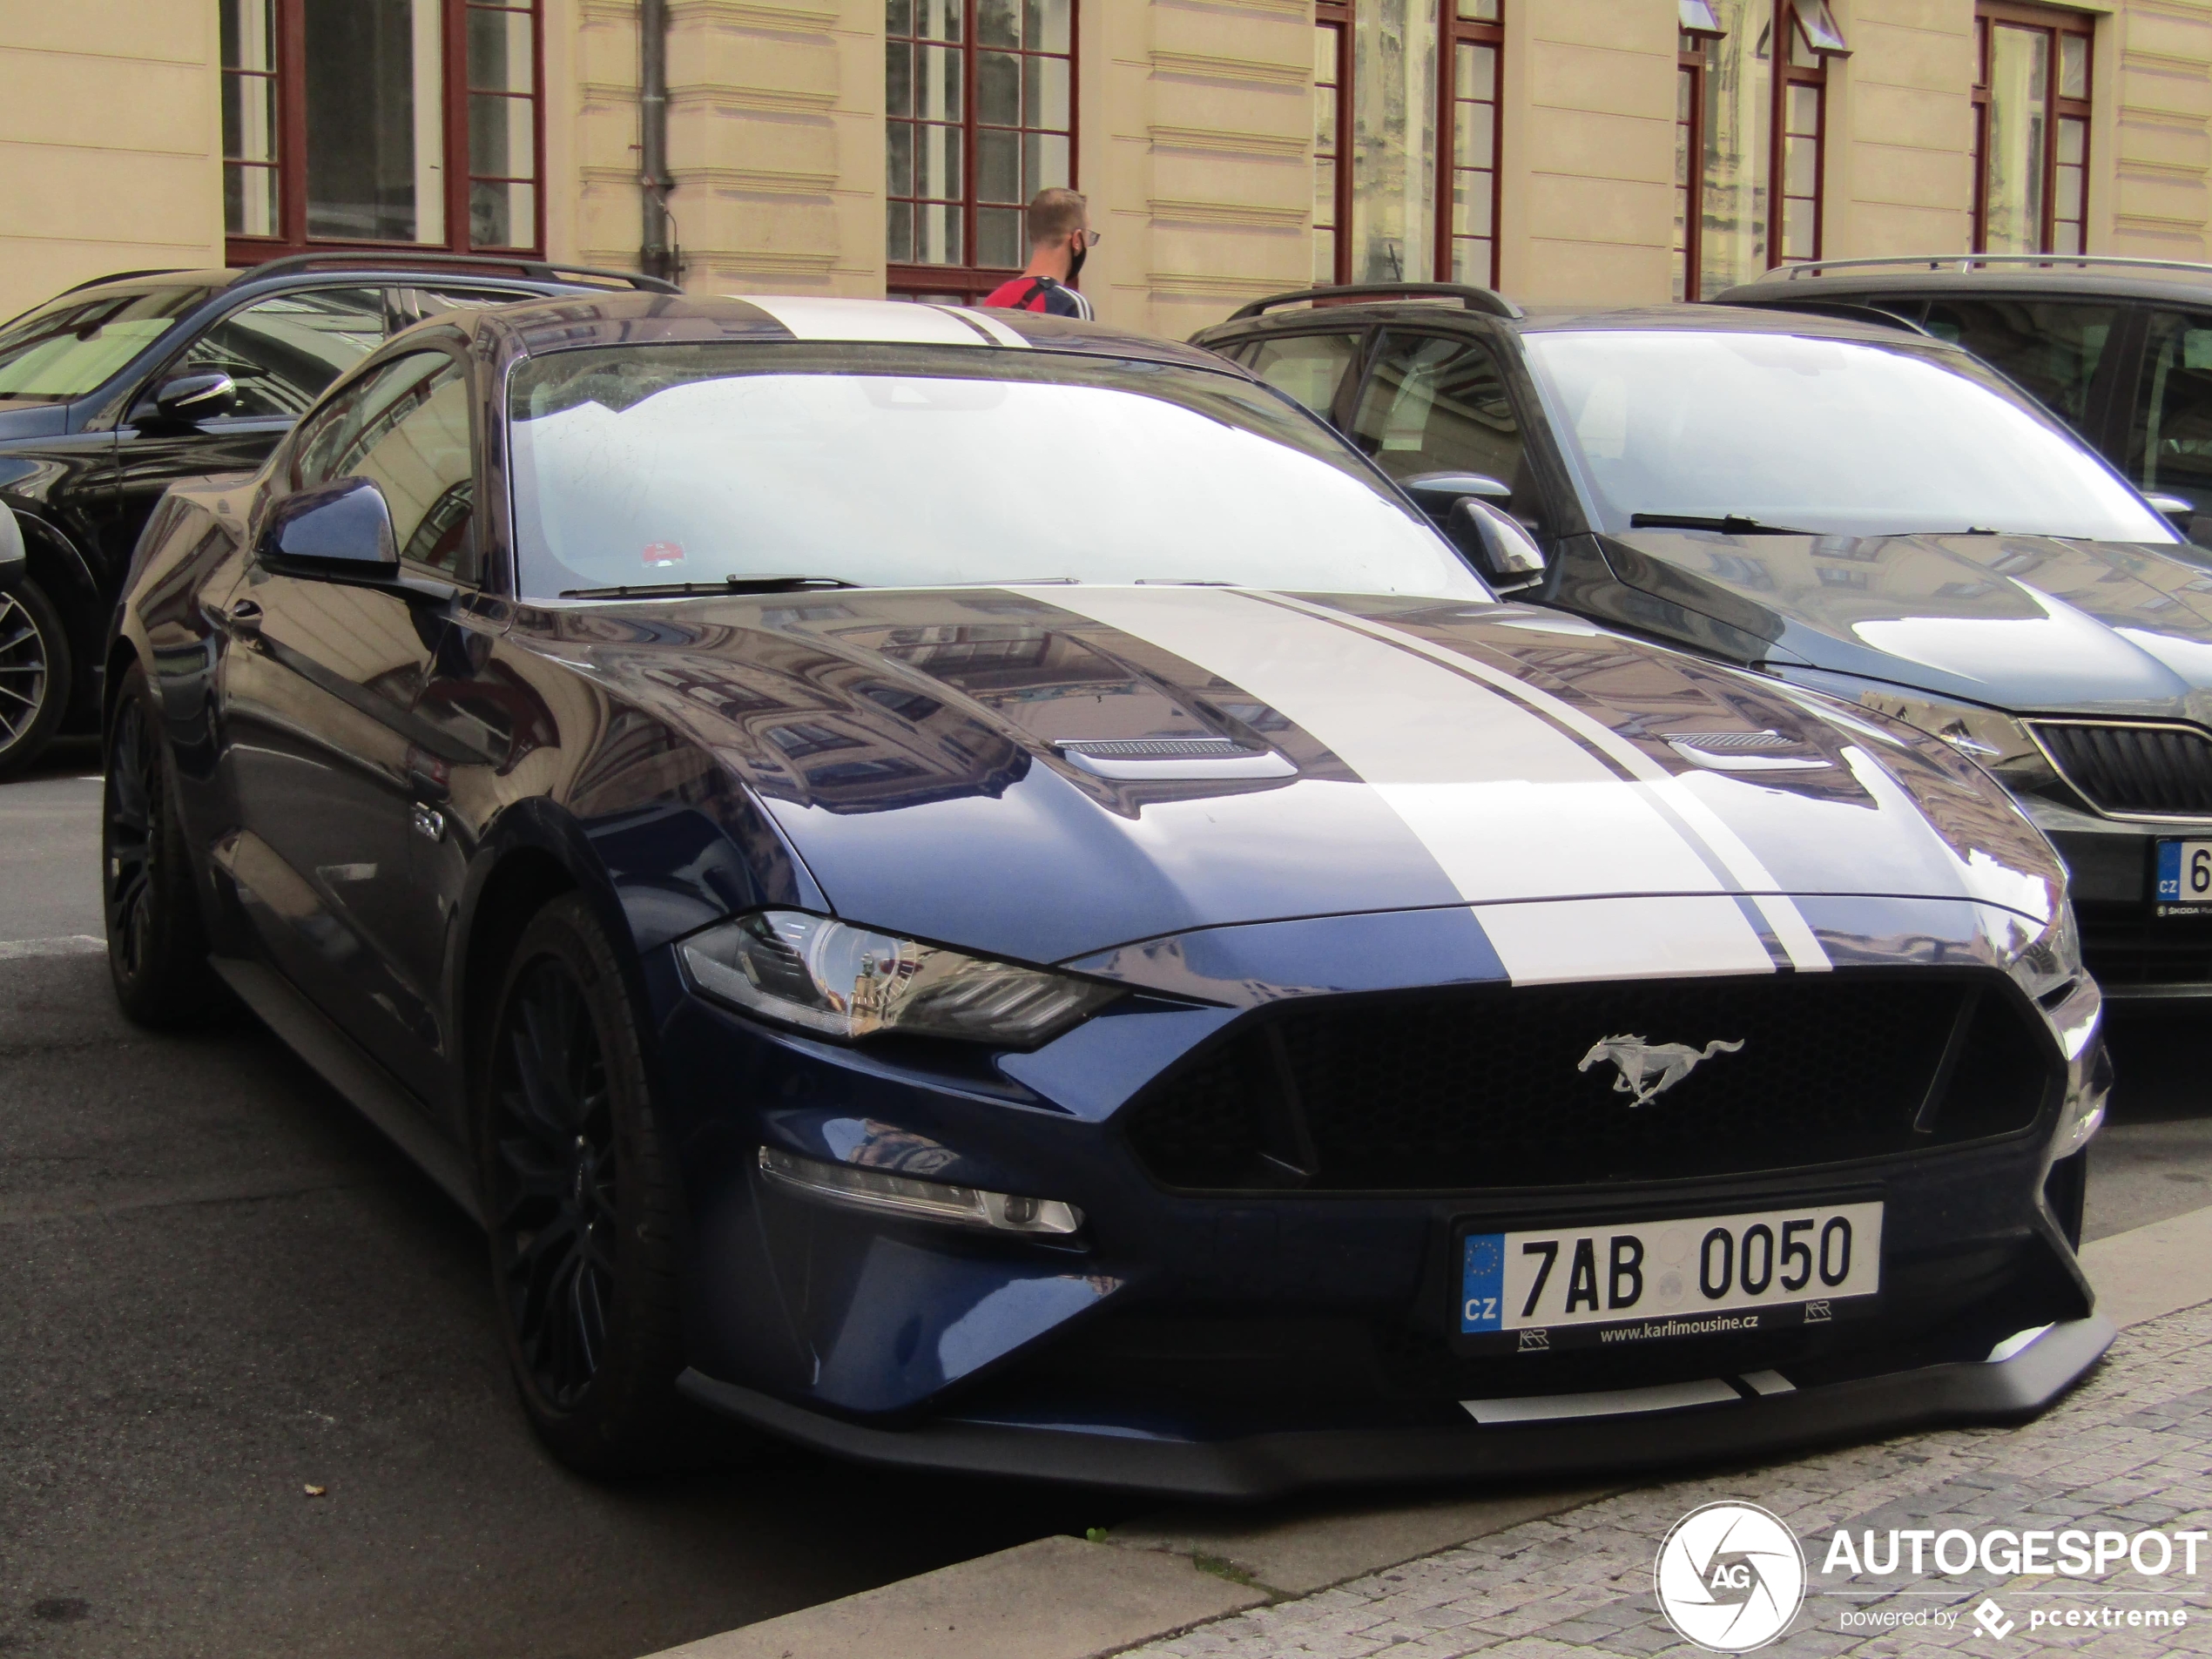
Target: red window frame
289, 78
966, 283
1332, 22
2055, 25
1453, 29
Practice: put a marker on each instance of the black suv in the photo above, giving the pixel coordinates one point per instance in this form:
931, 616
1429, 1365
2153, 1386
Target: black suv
120, 386
1844, 503
2120, 349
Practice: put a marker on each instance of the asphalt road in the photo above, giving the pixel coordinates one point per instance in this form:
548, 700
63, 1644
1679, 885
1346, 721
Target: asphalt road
227, 1288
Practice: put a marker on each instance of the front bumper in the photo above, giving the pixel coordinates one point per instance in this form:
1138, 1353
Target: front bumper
1264, 1464
1234, 1343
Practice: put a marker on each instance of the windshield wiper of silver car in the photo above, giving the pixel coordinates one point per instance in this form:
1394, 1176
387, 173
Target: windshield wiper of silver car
727, 584
1732, 524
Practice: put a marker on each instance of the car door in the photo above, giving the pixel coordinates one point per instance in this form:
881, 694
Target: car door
282, 351
1438, 402
2167, 447
326, 749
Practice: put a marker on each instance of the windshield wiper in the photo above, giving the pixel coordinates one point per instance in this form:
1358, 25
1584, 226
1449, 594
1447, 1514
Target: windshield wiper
727, 584
1732, 524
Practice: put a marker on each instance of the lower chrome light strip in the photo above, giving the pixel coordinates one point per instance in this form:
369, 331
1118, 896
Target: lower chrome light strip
1663, 1396
887, 1191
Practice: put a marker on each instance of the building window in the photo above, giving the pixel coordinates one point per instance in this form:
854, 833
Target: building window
979, 106
1467, 226
1332, 141
1406, 131
1742, 123
380, 123
2031, 142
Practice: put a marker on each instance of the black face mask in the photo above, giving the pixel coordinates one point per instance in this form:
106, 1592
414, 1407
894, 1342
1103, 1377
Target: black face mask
1076, 260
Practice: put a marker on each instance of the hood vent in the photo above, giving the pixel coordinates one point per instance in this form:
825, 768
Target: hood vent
1125, 759
1744, 751
2134, 770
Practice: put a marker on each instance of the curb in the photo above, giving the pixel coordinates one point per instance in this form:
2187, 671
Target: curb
1064, 1598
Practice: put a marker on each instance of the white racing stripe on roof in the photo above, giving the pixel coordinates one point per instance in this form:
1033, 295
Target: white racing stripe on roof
990, 325
1744, 866
1509, 806
890, 321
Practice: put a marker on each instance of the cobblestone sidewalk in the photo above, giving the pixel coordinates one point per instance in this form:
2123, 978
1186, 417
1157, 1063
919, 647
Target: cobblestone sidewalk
2131, 1449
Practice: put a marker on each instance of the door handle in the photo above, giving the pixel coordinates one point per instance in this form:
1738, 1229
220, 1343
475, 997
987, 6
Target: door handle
245, 616
430, 823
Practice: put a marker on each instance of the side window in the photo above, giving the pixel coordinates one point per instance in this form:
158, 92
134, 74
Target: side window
283, 351
2170, 438
1310, 368
2051, 348
1433, 404
405, 427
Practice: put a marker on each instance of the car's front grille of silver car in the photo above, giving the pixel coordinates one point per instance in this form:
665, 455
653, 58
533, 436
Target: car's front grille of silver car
1511, 1087
2134, 770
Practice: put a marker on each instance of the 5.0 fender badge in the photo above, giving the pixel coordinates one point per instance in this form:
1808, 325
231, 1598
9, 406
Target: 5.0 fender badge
1649, 1070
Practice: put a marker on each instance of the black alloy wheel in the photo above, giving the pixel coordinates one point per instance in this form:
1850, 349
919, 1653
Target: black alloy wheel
582, 1213
34, 673
157, 943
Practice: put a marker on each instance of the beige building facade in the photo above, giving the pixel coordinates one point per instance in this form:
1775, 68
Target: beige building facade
1575, 151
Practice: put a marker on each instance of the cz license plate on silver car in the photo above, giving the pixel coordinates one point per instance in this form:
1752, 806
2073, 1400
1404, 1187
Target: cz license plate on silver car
1705, 1275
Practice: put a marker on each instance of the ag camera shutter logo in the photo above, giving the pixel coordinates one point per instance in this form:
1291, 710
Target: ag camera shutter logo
1729, 1577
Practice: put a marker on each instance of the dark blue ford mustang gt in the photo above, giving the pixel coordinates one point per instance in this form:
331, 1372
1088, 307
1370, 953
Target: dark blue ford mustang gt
973, 890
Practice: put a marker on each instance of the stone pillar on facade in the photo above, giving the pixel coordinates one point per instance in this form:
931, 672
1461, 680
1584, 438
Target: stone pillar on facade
2161, 93
1207, 156
1589, 152
1901, 123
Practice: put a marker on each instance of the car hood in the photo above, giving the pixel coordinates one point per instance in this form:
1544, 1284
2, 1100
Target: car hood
2029, 622
1046, 772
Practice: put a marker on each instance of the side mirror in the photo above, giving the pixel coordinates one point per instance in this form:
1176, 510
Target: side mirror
1501, 549
1437, 491
341, 532
193, 398
2180, 508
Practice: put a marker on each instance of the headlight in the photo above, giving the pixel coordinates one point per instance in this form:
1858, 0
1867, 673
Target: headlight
845, 981
1991, 738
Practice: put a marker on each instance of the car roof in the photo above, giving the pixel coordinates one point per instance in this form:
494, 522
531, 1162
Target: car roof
569, 321
1537, 320
533, 276
2033, 278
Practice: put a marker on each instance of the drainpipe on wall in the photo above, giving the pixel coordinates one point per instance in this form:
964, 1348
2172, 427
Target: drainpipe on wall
657, 256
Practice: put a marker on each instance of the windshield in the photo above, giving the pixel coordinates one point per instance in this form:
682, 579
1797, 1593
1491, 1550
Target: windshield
72, 346
1836, 437
912, 467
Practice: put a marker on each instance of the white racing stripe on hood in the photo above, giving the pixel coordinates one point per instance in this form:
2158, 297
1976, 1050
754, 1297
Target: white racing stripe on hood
1509, 806
893, 321
1744, 866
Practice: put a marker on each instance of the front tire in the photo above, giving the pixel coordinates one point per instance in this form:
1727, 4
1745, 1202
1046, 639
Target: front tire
35, 673
157, 940
580, 1203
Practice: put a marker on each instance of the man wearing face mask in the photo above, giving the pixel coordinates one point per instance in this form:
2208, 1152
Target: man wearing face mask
1060, 235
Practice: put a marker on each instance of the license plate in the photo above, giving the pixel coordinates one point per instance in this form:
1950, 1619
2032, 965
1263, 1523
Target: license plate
2184, 878
1705, 1275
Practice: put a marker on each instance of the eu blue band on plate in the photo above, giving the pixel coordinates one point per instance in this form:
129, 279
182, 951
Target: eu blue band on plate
1482, 1281
2169, 869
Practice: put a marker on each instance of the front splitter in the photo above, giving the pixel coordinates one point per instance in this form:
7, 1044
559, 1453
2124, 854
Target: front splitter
1261, 1466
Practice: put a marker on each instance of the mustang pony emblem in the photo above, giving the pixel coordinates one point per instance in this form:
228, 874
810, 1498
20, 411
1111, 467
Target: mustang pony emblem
1649, 1070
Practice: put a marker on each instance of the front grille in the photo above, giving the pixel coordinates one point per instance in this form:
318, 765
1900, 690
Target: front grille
2162, 770
1483, 1088
2125, 944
